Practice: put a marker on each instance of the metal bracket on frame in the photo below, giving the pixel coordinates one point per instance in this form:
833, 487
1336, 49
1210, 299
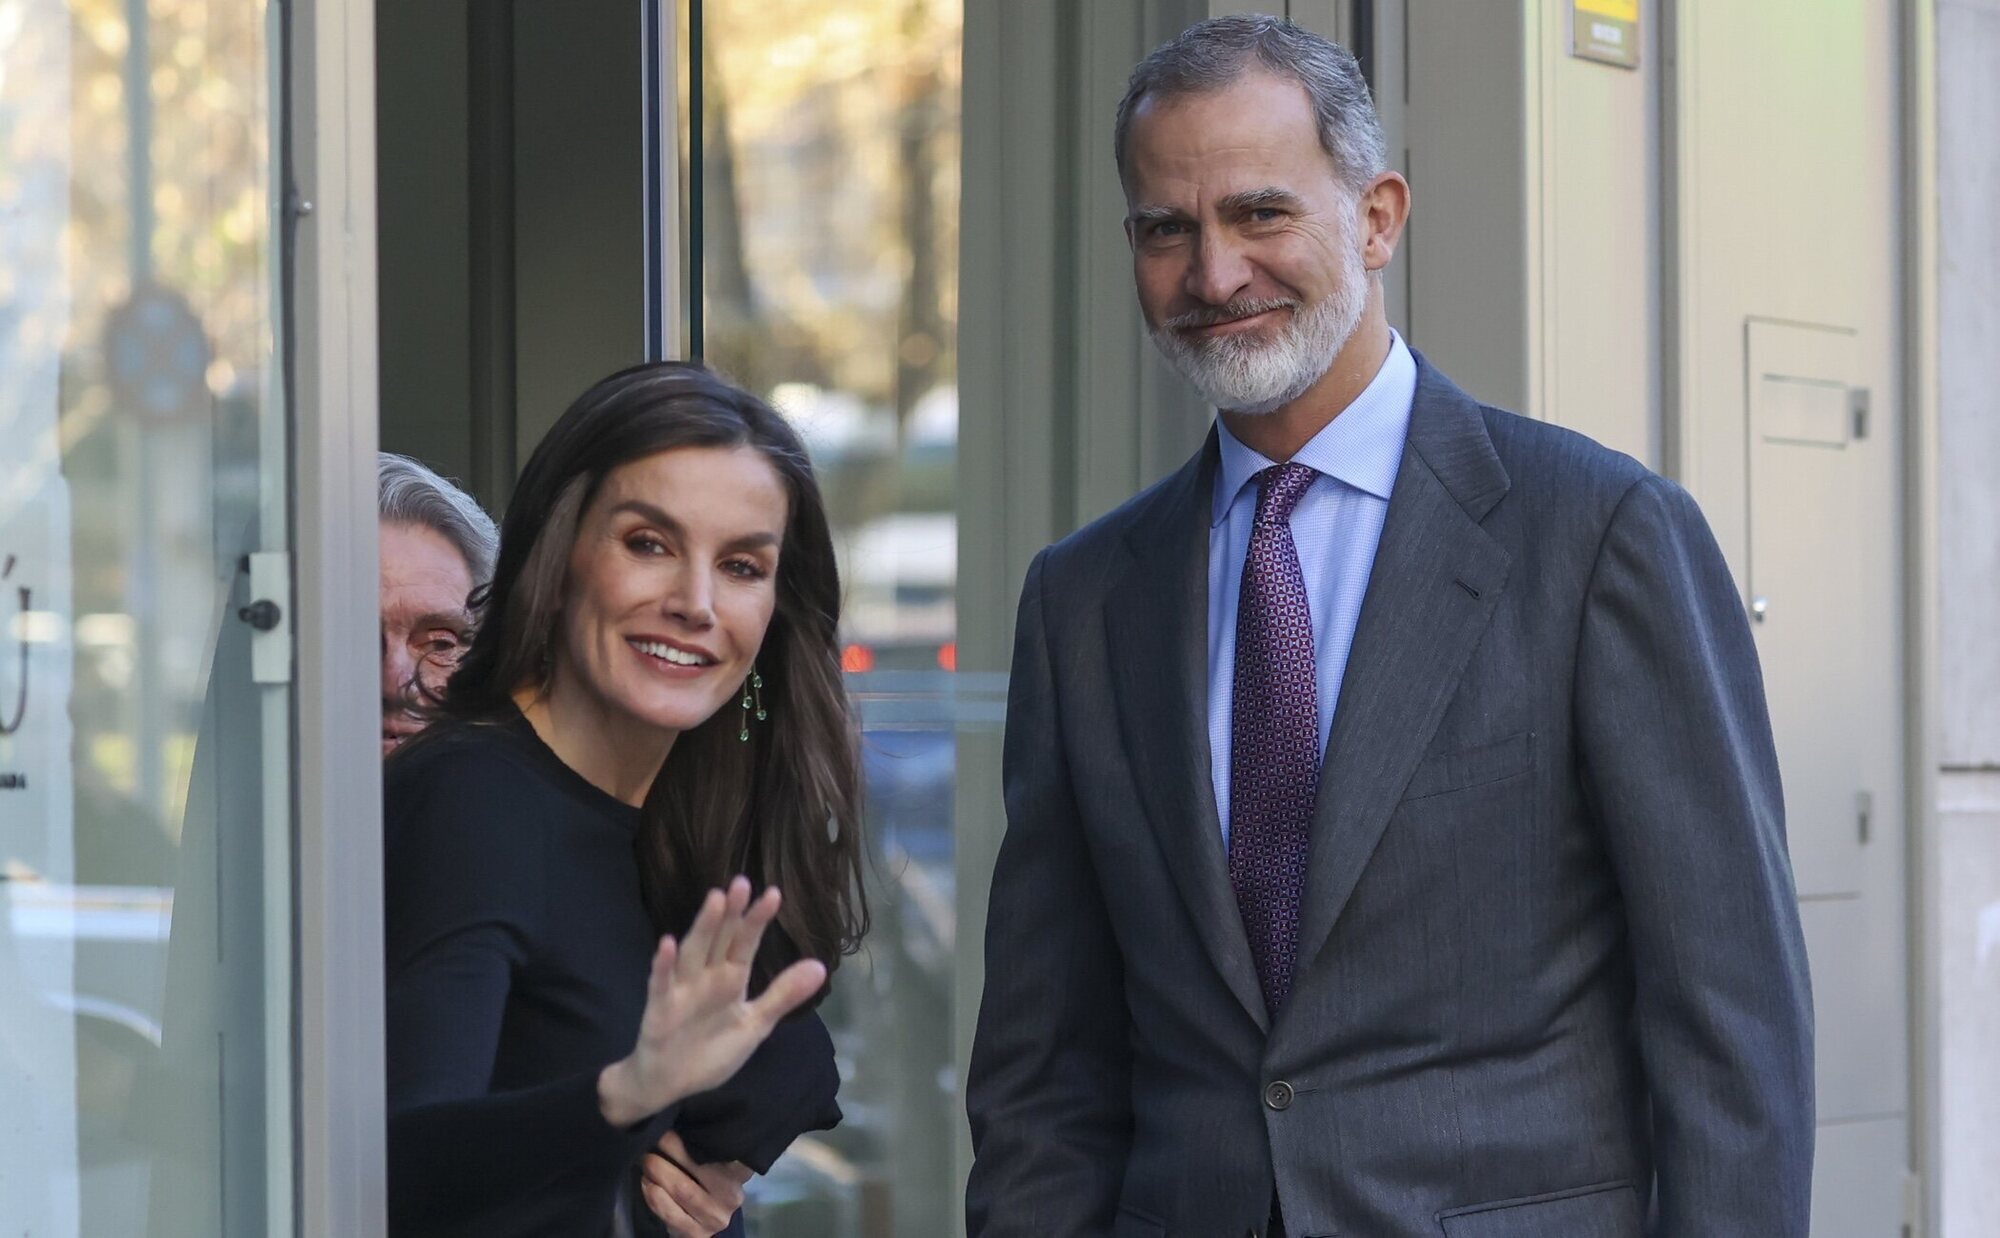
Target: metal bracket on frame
270, 596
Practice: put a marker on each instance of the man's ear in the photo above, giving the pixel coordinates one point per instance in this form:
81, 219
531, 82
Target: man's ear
1383, 209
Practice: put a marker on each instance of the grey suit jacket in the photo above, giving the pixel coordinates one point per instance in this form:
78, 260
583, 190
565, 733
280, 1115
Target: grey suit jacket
1551, 981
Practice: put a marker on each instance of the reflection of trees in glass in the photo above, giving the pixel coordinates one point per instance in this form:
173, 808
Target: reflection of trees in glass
160, 113
205, 81
920, 345
190, 83
831, 163
830, 174
748, 337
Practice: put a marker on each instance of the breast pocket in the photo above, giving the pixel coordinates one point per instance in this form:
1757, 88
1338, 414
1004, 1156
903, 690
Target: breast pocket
1464, 768
1606, 1210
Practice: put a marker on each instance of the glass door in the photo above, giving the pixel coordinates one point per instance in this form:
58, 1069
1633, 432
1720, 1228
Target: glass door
145, 818
822, 221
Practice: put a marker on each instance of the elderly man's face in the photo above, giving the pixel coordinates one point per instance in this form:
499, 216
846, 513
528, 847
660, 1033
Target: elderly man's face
1246, 247
425, 582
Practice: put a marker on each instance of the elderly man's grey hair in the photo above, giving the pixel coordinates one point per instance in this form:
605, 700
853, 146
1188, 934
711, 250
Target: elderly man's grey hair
413, 494
1215, 53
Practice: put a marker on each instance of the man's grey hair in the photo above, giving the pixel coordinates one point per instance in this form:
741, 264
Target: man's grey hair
412, 494
1216, 53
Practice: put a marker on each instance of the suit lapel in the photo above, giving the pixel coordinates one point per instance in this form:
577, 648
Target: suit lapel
1433, 587
1156, 620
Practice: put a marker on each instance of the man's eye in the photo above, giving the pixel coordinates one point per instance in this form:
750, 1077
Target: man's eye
1167, 229
441, 644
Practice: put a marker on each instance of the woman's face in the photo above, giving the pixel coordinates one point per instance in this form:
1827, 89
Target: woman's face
672, 584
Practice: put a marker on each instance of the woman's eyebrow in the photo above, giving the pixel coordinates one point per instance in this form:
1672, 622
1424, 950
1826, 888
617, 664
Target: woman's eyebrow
652, 514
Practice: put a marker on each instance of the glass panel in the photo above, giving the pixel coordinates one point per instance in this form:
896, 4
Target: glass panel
137, 406
829, 271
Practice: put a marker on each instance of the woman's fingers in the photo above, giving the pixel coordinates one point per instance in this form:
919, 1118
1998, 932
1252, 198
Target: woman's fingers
736, 929
700, 938
674, 1149
670, 1157
788, 990
708, 1207
735, 900
662, 976
721, 1181
675, 1217
750, 933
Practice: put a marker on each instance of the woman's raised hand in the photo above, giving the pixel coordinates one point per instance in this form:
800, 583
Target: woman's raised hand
699, 1027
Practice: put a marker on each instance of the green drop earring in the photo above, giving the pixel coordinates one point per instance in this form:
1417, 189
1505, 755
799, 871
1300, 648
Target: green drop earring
753, 698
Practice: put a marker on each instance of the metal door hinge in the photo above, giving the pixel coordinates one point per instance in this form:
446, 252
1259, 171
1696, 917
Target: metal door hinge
269, 614
1857, 406
1913, 1204
1864, 811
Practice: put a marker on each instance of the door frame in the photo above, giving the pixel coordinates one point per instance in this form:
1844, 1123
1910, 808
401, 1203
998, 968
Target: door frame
1923, 1205
330, 138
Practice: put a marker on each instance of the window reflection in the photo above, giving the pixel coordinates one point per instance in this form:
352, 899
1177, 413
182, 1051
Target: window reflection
135, 351
829, 241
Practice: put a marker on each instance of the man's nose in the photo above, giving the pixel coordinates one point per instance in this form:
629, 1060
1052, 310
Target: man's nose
1220, 270
398, 669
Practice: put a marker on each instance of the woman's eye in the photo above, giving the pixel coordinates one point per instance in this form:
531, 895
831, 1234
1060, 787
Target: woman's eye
744, 569
645, 544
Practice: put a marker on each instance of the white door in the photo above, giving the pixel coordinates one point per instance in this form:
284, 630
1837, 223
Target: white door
1787, 158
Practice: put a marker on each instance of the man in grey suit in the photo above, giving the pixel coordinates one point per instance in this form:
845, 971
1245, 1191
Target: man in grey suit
1395, 844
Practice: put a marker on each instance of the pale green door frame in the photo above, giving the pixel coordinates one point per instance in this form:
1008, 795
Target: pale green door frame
341, 1112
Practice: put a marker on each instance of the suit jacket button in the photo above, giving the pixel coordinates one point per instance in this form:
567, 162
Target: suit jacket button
1278, 1095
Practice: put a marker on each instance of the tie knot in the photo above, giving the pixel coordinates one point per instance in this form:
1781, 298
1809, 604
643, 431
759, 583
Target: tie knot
1279, 489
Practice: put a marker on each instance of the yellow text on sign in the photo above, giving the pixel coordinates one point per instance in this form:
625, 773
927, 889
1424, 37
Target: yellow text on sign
1616, 10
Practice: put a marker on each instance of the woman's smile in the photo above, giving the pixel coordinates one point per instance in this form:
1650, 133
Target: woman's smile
669, 657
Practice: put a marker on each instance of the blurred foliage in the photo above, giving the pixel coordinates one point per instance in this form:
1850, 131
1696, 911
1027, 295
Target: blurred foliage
193, 84
831, 158
830, 172
206, 124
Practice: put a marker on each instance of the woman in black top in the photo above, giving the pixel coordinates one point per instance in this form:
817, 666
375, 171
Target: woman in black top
652, 705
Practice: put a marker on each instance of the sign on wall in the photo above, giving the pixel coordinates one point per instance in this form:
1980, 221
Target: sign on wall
1606, 31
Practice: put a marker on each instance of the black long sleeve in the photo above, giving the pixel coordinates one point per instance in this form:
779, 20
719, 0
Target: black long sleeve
518, 946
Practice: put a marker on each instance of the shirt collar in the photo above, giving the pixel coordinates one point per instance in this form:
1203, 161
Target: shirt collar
1361, 447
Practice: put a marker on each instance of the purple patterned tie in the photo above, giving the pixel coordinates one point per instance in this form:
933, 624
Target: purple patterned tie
1274, 735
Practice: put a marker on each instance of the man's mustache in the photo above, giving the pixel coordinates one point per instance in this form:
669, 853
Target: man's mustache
1215, 315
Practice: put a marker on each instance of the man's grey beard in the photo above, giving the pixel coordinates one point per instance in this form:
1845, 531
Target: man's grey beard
1245, 374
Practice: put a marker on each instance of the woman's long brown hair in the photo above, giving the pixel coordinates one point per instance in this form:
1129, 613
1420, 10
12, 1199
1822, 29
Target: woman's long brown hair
784, 807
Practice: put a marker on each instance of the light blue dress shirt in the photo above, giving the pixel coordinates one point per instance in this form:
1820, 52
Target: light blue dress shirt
1336, 527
